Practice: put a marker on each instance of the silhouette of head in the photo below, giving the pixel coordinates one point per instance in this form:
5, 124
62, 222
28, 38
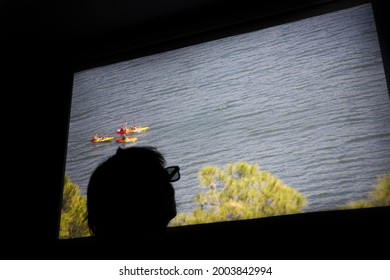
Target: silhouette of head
130, 194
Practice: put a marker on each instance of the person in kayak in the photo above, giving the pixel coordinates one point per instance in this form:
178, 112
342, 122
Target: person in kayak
124, 127
135, 208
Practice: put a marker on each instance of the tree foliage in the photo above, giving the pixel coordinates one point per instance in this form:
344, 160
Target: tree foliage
380, 196
240, 191
73, 212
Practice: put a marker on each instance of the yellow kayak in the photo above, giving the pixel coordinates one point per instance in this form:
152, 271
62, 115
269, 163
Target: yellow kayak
140, 129
126, 140
102, 139
133, 129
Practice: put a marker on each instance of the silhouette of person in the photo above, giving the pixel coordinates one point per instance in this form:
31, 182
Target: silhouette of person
130, 196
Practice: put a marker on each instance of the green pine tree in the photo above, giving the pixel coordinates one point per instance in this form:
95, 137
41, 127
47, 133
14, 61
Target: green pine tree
240, 191
380, 196
74, 212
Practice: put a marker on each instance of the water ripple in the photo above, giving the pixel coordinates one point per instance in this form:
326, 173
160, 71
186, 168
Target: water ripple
306, 101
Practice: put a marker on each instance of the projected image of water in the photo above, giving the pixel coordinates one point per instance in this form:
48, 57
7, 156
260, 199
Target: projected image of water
306, 101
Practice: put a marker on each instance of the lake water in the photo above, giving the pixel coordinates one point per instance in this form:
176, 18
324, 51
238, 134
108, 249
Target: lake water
306, 101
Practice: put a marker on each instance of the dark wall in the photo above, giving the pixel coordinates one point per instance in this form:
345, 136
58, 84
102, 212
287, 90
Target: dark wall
43, 41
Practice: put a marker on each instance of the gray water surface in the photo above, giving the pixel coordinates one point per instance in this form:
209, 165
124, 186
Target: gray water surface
306, 101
